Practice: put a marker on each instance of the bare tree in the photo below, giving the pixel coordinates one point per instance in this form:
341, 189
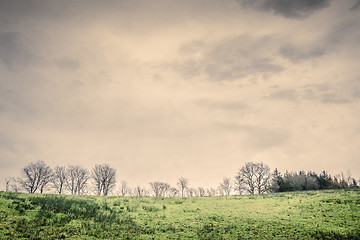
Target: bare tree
15, 185
124, 190
183, 185
191, 192
255, 176
239, 184
140, 192
76, 180
247, 174
354, 183
196, 192
211, 192
263, 176
225, 187
201, 192
104, 177
35, 176
160, 188
173, 192
46, 178
7, 184
59, 179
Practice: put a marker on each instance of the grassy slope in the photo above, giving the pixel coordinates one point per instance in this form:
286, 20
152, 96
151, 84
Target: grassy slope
301, 215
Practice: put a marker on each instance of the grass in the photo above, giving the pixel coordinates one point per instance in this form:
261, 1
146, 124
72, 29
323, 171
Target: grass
333, 214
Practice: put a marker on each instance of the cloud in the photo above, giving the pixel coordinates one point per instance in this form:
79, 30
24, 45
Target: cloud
16, 104
222, 105
14, 52
356, 6
338, 93
189, 68
258, 137
265, 138
354, 86
299, 53
220, 71
76, 79
6, 142
192, 47
283, 94
297, 9
230, 59
67, 63
333, 97
344, 34
342, 92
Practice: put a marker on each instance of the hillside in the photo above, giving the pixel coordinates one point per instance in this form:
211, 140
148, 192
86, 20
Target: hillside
332, 214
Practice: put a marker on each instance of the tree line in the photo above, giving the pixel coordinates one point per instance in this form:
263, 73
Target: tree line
38, 177
251, 178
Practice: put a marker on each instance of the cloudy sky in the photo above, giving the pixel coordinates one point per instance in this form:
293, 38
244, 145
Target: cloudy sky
163, 89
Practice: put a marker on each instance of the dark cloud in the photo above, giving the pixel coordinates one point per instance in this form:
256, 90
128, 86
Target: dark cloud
230, 59
137, 16
297, 9
354, 86
345, 34
67, 63
14, 52
356, 94
343, 93
283, 94
333, 97
222, 71
298, 53
356, 6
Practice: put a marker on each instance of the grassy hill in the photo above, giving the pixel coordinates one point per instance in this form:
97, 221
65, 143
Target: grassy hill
333, 214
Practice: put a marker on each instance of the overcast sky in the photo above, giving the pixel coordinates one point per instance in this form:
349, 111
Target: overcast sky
162, 89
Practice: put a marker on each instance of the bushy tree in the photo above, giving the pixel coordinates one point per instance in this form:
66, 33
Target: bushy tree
324, 180
292, 181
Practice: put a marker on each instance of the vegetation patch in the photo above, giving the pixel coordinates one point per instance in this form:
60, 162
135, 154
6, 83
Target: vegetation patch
330, 214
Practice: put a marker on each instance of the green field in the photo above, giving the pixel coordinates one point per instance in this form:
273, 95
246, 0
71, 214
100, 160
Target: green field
332, 214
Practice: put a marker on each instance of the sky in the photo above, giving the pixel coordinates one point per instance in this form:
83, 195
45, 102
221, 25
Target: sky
162, 89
